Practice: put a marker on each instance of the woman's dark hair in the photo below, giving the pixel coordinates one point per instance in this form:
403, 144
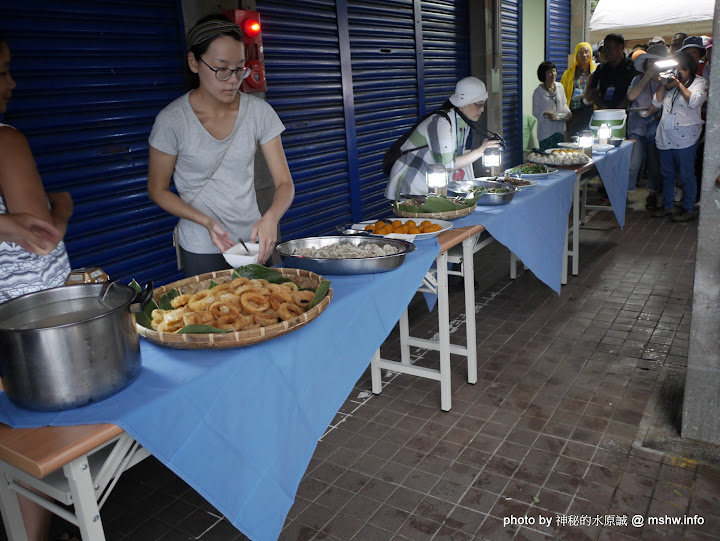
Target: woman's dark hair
3, 39
543, 69
192, 80
686, 61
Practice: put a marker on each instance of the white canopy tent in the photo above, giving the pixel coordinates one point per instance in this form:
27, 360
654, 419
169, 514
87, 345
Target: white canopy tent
644, 19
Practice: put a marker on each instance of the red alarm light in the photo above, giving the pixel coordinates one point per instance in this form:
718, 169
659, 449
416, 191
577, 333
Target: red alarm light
249, 22
251, 28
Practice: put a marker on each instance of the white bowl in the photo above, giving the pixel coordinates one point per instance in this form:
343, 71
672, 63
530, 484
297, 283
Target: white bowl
237, 256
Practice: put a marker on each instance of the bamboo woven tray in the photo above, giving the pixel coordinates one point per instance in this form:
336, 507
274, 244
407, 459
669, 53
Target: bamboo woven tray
448, 215
238, 338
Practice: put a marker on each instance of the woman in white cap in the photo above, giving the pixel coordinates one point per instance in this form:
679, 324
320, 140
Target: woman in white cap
205, 141
442, 139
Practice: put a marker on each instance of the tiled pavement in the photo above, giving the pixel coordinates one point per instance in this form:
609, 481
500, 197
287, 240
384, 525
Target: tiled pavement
548, 430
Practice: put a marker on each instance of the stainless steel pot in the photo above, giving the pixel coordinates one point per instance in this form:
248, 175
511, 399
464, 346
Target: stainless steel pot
70, 346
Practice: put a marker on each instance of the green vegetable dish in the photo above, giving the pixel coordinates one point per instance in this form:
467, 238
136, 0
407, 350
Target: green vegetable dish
433, 204
529, 169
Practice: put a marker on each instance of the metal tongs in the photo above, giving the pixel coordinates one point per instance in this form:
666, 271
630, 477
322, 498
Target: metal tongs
541, 152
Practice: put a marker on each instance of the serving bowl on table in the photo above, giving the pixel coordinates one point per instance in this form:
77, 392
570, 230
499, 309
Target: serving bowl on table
237, 256
325, 265
461, 187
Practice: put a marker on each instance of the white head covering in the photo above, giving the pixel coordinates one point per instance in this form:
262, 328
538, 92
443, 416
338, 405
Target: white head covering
468, 90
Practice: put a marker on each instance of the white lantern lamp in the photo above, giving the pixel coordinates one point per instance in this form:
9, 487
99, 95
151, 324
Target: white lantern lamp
604, 133
492, 158
585, 141
437, 179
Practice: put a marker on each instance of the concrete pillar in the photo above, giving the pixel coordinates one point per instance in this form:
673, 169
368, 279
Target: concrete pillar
701, 409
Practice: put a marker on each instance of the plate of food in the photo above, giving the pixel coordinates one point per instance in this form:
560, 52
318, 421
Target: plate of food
559, 156
531, 170
568, 145
602, 148
520, 182
440, 207
403, 229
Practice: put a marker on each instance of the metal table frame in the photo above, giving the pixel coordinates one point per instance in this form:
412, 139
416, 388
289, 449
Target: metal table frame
84, 483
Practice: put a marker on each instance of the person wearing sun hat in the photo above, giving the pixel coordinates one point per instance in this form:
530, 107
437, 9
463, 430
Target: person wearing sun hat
444, 137
642, 125
657, 40
694, 46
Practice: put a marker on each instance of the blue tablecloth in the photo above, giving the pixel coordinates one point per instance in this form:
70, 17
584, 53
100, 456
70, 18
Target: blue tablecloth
534, 225
613, 167
240, 425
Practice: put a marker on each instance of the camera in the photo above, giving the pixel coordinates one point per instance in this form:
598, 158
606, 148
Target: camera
667, 76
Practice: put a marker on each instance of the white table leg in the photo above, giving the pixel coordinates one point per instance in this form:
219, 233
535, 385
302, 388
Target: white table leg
513, 266
444, 332
376, 373
404, 338
563, 278
576, 227
469, 286
83, 497
11, 515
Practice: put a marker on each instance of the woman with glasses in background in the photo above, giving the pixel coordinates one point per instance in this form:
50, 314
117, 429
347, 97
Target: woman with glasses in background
205, 141
550, 107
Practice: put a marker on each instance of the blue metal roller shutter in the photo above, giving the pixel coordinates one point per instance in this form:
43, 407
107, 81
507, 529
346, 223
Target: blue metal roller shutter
91, 77
385, 88
389, 92
511, 21
446, 46
302, 61
557, 33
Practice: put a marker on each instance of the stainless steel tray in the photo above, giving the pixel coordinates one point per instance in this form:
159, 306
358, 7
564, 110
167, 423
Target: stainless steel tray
460, 187
366, 265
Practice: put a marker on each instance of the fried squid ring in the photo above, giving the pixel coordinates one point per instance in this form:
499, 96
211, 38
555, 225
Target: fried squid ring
243, 289
222, 308
303, 298
292, 285
180, 300
259, 283
201, 300
278, 297
231, 298
289, 310
251, 326
174, 316
240, 281
170, 327
252, 302
264, 319
198, 318
233, 323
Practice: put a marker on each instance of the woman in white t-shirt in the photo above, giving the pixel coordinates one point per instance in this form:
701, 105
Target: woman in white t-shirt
550, 107
205, 141
678, 134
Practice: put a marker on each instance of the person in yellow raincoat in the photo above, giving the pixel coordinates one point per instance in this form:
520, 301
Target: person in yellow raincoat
574, 80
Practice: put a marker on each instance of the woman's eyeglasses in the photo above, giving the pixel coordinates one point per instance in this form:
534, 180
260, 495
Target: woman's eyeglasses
223, 74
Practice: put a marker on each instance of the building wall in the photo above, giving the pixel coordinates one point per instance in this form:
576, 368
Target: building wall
533, 50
